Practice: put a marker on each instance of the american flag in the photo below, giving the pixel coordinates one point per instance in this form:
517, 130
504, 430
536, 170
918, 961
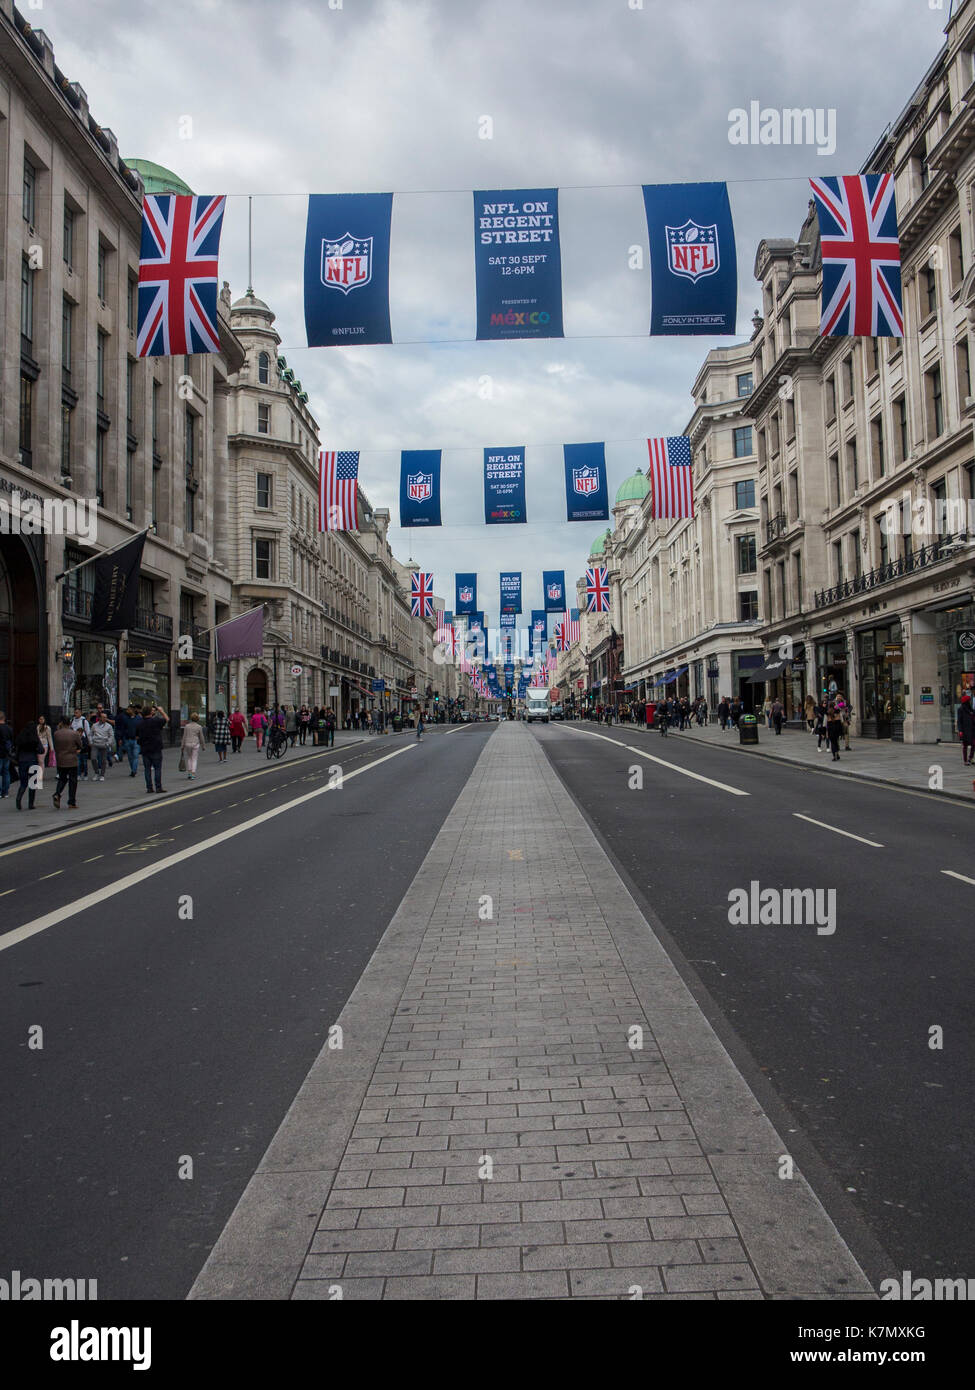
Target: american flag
671, 481
443, 627
422, 600
338, 483
566, 632
178, 274
597, 589
861, 256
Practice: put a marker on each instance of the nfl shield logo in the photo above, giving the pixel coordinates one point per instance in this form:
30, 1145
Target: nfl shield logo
692, 250
585, 480
554, 591
419, 486
466, 594
346, 262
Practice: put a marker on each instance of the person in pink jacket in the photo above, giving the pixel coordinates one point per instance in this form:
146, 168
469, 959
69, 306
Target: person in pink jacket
258, 725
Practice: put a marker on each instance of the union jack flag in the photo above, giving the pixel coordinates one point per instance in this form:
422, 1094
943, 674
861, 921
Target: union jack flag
422, 598
597, 589
566, 632
178, 274
861, 256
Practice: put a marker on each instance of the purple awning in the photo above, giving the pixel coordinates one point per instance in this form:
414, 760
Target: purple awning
243, 636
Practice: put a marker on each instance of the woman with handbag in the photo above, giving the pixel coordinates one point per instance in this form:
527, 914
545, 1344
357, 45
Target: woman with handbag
46, 737
238, 730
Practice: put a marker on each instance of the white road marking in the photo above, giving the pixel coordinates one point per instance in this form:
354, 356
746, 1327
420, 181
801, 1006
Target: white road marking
951, 874
837, 831
6, 891
93, 858
672, 767
61, 914
47, 876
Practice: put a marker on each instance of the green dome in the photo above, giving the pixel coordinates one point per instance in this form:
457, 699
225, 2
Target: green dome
633, 490
599, 544
156, 178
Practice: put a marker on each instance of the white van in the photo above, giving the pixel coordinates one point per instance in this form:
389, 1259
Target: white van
536, 705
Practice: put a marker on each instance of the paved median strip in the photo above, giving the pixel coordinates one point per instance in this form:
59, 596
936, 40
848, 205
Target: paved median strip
61, 914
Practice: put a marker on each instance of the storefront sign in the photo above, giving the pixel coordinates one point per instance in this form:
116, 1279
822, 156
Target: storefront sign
893, 651
378, 686
296, 670
927, 695
333, 690
966, 639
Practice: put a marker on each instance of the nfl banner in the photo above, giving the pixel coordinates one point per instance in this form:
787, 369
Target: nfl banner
509, 619
504, 486
586, 489
518, 263
347, 268
419, 488
553, 586
511, 591
465, 598
538, 631
693, 262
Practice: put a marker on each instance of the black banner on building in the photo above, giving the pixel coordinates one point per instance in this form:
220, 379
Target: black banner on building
116, 592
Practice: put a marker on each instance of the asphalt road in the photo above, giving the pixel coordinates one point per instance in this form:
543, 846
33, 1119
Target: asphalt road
838, 1024
167, 1037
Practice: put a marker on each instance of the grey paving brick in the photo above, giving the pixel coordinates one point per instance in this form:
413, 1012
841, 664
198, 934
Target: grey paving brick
551, 1284
617, 1282
522, 1233
398, 1216
566, 1257
691, 1227
386, 1262
490, 1260
432, 1288
320, 1290
693, 1278
327, 1242
438, 1237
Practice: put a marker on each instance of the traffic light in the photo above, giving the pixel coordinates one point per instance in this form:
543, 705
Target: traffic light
436, 699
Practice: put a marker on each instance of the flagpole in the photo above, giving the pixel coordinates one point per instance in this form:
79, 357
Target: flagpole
101, 555
250, 245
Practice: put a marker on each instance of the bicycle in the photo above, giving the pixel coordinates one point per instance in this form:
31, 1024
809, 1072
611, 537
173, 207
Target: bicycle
664, 726
277, 743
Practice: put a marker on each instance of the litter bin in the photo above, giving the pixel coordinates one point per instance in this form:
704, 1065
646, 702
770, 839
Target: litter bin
748, 729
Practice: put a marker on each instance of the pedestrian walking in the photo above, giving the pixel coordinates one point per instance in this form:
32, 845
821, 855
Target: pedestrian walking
419, 725
29, 751
291, 724
819, 715
724, 712
737, 710
67, 750
843, 709
102, 738
82, 726
125, 737
329, 728
221, 734
304, 719
7, 757
192, 745
966, 730
777, 713
767, 711
46, 735
834, 731
809, 710
154, 720
258, 726
238, 731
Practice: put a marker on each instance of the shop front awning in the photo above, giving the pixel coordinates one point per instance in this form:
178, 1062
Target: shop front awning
769, 672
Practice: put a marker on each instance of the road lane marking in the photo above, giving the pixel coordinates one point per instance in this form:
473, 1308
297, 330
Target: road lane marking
951, 874
6, 891
141, 810
43, 877
61, 914
93, 858
673, 767
837, 831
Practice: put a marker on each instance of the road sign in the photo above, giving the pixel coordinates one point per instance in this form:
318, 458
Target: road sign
296, 670
378, 686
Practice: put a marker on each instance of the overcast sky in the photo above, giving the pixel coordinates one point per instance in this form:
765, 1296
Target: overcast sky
595, 97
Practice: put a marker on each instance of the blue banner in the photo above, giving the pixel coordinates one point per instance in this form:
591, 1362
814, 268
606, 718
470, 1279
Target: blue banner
475, 624
504, 486
586, 489
465, 593
539, 629
553, 587
347, 268
511, 591
509, 620
693, 262
518, 263
419, 487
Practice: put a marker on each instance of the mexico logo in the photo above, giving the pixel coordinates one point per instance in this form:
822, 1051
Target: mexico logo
346, 262
585, 481
692, 250
419, 486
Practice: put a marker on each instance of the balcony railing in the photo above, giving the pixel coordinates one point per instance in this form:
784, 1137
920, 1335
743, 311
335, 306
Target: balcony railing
156, 624
776, 527
942, 549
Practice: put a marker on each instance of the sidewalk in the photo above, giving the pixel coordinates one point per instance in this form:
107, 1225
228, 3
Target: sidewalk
486, 1129
900, 764
120, 792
